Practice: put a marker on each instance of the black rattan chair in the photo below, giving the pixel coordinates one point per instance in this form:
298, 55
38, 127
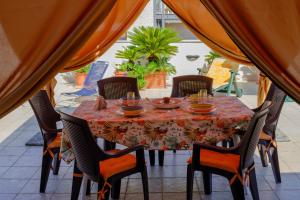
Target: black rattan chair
184, 86
47, 118
267, 140
105, 168
116, 88
235, 163
191, 84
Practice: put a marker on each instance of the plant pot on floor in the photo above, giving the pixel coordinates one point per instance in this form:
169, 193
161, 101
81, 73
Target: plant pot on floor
80, 78
120, 74
156, 80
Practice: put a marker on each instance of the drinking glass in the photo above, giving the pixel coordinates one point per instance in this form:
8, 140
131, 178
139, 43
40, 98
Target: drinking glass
130, 98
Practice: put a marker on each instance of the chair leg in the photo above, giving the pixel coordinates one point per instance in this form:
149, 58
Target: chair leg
189, 182
46, 166
152, 157
115, 190
107, 189
273, 157
145, 183
161, 156
174, 151
237, 190
253, 185
88, 188
207, 181
76, 182
263, 155
56, 163
224, 143
109, 145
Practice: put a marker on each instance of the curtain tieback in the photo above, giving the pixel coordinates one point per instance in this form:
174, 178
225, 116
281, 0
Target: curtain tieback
103, 190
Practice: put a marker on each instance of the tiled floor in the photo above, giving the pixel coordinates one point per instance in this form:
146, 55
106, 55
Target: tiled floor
20, 165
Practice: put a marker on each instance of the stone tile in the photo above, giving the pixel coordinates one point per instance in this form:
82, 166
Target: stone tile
60, 196
33, 187
174, 171
176, 185
29, 161
33, 151
3, 170
11, 186
33, 197
288, 182
264, 195
7, 196
154, 196
288, 194
179, 196
19, 172
217, 196
64, 187
61, 174
135, 185
176, 160
7, 161
12, 151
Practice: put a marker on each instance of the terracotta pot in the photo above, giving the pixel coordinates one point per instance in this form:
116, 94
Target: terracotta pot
80, 78
120, 74
156, 80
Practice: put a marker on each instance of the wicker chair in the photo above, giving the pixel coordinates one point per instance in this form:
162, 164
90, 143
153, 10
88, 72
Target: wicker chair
267, 140
191, 84
105, 168
47, 118
116, 88
229, 162
184, 86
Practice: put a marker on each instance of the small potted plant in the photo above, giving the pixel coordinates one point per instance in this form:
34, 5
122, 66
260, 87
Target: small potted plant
81, 74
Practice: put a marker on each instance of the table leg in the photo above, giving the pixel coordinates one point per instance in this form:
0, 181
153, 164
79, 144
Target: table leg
161, 156
109, 145
76, 183
152, 157
84, 187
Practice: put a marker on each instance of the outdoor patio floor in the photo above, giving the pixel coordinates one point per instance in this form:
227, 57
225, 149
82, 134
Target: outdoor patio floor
20, 164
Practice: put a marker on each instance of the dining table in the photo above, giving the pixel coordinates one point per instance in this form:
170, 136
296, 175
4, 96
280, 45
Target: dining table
157, 129
162, 129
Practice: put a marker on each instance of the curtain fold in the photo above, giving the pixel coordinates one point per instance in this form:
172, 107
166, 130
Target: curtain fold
205, 27
264, 84
37, 38
120, 18
268, 33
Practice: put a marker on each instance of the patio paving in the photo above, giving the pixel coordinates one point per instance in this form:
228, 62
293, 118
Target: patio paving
20, 164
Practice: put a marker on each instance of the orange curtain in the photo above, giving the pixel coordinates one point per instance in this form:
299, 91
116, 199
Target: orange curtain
37, 38
268, 33
120, 18
199, 20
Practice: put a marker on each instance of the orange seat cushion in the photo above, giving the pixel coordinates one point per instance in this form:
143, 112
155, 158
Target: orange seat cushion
114, 166
264, 136
56, 142
226, 161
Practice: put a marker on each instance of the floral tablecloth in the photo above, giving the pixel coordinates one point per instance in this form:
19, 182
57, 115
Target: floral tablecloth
162, 129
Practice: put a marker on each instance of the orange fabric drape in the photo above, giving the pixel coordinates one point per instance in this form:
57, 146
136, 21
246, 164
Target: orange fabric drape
268, 33
37, 38
264, 84
120, 18
199, 20
49, 87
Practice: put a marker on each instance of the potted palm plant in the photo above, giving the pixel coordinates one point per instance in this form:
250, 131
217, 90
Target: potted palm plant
154, 44
80, 75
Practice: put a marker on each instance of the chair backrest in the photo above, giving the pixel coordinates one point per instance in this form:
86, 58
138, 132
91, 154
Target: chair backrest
191, 84
44, 113
277, 97
117, 87
96, 73
86, 150
249, 142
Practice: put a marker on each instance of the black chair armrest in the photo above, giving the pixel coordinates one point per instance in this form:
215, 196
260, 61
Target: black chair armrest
217, 148
125, 151
51, 130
